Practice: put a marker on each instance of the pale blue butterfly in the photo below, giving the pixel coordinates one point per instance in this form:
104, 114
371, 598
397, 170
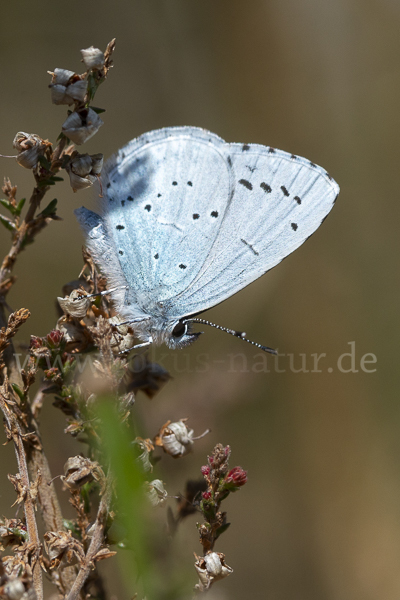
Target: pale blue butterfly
187, 220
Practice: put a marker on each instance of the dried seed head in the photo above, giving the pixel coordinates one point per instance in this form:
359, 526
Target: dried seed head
83, 170
81, 125
75, 304
93, 58
14, 589
61, 545
61, 76
79, 470
175, 438
67, 87
156, 492
210, 568
29, 147
75, 336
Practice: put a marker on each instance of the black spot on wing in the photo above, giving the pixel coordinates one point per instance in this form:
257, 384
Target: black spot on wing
246, 184
181, 266
271, 149
267, 188
293, 156
120, 252
214, 214
284, 190
122, 202
174, 183
156, 256
196, 216
158, 195
119, 227
130, 198
229, 161
294, 226
245, 147
148, 207
313, 165
108, 185
298, 200
190, 183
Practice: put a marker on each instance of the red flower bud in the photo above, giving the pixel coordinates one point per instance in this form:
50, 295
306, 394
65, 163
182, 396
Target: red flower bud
54, 338
205, 471
206, 495
236, 477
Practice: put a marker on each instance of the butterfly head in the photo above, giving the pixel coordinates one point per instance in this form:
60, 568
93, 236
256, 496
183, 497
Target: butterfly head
179, 334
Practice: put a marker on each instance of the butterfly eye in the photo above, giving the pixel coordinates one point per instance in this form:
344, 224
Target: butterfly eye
179, 330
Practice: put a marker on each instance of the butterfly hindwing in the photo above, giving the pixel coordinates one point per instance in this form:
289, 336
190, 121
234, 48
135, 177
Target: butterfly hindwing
164, 203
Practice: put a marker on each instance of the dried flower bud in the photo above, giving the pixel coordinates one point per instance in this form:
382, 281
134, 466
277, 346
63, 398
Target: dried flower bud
93, 58
67, 87
156, 492
235, 478
79, 470
210, 568
29, 147
36, 342
81, 125
38, 349
83, 170
144, 458
14, 589
175, 438
122, 338
75, 304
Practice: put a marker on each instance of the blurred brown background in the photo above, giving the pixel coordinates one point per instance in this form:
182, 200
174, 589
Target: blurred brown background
320, 516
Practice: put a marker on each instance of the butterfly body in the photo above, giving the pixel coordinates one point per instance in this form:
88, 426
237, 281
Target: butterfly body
187, 220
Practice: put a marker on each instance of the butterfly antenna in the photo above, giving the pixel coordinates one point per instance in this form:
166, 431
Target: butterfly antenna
239, 334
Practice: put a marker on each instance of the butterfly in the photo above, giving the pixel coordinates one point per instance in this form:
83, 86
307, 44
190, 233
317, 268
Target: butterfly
187, 220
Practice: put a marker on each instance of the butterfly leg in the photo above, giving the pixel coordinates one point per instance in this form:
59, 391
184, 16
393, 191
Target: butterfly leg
105, 292
143, 345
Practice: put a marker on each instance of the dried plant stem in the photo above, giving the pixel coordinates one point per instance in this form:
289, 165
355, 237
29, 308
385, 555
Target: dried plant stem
9, 260
9, 353
96, 542
35, 458
15, 433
